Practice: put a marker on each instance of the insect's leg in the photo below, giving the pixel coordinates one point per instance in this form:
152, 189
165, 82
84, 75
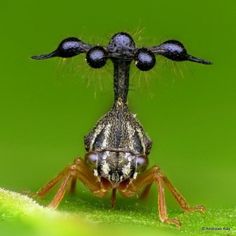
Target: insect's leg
73, 185
87, 177
113, 198
60, 193
145, 192
79, 171
179, 197
147, 178
46, 188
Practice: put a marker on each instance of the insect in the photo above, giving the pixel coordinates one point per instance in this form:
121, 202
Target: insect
117, 148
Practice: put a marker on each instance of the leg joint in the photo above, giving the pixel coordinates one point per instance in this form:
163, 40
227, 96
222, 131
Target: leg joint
73, 170
156, 172
77, 161
156, 169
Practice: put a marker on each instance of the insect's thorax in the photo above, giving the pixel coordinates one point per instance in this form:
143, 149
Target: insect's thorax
118, 144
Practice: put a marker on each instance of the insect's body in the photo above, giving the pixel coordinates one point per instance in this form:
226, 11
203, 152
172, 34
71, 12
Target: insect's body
120, 144
117, 147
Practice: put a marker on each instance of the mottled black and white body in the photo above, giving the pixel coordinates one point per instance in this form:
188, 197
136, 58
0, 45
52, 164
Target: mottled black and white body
117, 147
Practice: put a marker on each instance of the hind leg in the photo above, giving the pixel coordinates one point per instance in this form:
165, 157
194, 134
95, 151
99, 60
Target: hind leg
154, 176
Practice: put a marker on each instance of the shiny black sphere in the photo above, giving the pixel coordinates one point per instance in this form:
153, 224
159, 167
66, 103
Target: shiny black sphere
144, 59
121, 44
69, 47
174, 50
96, 57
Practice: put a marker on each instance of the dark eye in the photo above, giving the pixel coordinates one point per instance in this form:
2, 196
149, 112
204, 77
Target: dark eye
69, 47
91, 159
144, 59
141, 163
96, 57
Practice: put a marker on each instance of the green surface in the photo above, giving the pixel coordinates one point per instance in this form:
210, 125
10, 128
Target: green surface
187, 109
20, 211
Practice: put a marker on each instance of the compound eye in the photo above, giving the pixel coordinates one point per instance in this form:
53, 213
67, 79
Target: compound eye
141, 163
96, 57
144, 59
69, 47
91, 159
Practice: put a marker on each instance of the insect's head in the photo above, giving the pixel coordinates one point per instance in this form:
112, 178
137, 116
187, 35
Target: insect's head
122, 48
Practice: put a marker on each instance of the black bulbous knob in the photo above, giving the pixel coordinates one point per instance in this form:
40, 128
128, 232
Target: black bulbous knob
174, 50
96, 57
121, 45
144, 59
68, 47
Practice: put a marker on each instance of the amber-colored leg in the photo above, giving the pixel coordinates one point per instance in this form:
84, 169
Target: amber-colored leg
154, 175
145, 192
180, 199
73, 185
113, 198
79, 171
43, 191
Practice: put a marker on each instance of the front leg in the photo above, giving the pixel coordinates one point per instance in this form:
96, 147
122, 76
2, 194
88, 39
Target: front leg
154, 175
78, 170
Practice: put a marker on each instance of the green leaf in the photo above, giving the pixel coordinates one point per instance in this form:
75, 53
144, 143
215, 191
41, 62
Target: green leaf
20, 215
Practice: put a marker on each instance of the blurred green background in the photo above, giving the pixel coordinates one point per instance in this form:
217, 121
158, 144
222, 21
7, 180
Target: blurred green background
187, 109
